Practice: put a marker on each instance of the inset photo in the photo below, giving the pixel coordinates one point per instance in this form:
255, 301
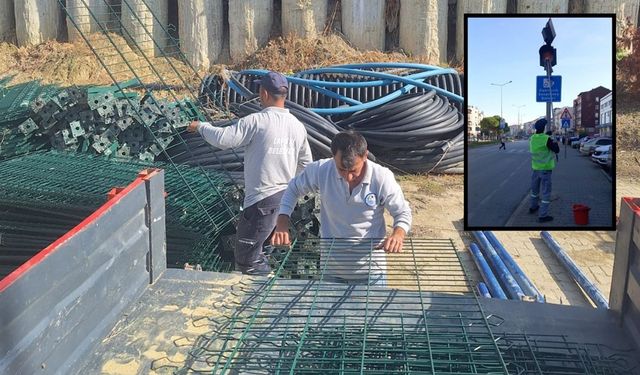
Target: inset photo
540, 139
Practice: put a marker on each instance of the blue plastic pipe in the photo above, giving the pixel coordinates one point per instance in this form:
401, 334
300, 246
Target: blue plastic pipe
501, 271
525, 283
410, 81
483, 290
486, 273
589, 287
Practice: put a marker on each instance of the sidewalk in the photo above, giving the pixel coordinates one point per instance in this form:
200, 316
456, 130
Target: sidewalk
576, 180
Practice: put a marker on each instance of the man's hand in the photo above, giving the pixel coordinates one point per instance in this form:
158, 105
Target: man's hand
193, 126
393, 243
281, 235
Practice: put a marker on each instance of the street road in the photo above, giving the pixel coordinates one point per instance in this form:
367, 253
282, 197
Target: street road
497, 181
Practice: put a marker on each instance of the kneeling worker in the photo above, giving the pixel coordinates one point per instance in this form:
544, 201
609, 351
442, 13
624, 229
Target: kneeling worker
353, 194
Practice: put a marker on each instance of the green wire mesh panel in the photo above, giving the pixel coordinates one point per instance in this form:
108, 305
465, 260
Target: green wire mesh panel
555, 354
65, 180
132, 44
15, 107
362, 311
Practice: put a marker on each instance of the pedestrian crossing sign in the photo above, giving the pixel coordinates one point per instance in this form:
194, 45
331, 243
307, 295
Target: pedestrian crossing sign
565, 114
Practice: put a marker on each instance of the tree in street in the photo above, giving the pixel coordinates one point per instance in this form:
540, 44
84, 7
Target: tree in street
490, 126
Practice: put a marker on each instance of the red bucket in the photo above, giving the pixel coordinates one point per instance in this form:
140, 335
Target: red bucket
581, 214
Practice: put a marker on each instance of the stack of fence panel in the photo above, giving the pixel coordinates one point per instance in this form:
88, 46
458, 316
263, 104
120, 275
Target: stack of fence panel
15, 108
42, 195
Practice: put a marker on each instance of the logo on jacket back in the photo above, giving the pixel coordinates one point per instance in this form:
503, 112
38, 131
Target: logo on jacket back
370, 200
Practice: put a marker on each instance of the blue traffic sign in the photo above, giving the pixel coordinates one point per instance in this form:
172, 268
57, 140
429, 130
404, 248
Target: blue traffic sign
566, 123
548, 90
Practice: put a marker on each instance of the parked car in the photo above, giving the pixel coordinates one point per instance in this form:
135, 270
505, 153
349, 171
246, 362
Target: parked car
601, 155
579, 141
588, 147
609, 160
571, 140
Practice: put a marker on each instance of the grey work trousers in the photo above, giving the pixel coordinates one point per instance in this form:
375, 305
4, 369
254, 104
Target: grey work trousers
256, 225
541, 188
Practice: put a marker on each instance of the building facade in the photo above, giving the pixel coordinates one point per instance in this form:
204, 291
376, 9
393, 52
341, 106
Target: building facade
586, 108
606, 115
474, 116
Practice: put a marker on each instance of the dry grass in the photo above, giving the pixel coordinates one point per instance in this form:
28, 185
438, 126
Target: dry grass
68, 64
290, 54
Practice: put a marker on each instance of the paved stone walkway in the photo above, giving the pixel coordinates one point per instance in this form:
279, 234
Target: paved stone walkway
576, 180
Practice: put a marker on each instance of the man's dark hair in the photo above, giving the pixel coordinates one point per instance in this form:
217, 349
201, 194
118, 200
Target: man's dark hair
278, 94
351, 144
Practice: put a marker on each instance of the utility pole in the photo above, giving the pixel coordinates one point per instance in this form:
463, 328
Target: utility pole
519, 106
501, 86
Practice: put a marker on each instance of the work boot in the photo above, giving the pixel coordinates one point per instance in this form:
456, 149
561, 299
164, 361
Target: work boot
259, 268
533, 210
544, 219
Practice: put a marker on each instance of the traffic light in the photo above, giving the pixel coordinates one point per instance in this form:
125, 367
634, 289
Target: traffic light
547, 53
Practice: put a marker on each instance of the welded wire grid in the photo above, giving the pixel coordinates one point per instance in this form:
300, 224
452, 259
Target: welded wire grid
132, 42
558, 355
71, 181
424, 318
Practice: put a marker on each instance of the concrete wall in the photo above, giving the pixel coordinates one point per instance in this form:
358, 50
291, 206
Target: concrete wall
363, 23
7, 22
201, 28
36, 21
141, 28
304, 18
423, 29
250, 23
473, 6
88, 16
55, 307
423, 25
543, 6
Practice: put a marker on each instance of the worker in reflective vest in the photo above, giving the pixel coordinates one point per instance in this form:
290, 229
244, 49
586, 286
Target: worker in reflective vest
543, 160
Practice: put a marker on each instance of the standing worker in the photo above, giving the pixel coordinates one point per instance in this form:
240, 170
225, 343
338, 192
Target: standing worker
353, 192
276, 149
542, 148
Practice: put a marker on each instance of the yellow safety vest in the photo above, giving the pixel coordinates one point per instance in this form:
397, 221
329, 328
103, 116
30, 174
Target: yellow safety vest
542, 159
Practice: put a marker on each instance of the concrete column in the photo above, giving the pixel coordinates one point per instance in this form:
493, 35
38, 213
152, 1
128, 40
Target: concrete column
36, 21
7, 22
249, 26
88, 18
624, 10
363, 23
473, 6
423, 28
304, 18
141, 29
201, 27
543, 6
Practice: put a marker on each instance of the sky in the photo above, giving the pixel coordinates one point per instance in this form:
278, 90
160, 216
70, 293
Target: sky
506, 49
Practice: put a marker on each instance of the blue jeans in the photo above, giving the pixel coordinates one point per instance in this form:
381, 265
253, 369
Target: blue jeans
541, 180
